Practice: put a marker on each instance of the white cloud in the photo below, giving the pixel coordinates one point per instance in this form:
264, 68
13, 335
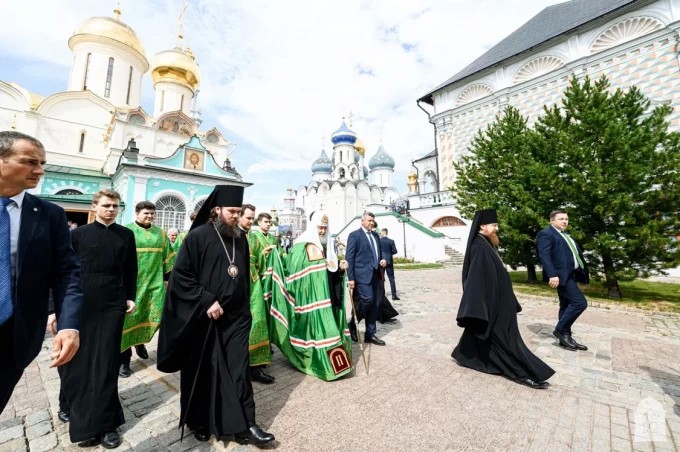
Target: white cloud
280, 75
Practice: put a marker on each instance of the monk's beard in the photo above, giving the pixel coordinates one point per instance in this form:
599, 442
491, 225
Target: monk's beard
493, 239
227, 231
324, 240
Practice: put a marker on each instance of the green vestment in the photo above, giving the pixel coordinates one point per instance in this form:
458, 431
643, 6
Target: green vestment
305, 325
155, 257
258, 344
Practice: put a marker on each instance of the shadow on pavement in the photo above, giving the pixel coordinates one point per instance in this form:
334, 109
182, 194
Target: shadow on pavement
670, 383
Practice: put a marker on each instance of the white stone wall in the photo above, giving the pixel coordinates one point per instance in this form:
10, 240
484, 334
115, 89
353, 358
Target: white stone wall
633, 48
171, 97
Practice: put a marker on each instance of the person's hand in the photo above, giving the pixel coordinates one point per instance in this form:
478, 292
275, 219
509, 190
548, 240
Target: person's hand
344, 264
130, 307
383, 263
351, 284
554, 282
64, 347
52, 323
215, 311
268, 250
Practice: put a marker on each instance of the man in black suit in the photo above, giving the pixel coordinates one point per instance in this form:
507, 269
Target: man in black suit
563, 267
365, 259
389, 249
36, 256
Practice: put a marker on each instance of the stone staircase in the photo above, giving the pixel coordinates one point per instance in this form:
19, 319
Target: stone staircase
454, 257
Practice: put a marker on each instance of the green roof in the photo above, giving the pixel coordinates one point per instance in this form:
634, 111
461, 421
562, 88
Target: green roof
74, 171
412, 222
74, 199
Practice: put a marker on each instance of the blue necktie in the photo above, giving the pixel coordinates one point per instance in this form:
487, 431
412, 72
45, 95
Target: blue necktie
375, 252
6, 309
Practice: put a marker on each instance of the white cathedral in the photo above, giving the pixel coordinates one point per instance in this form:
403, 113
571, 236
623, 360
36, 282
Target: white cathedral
97, 135
342, 185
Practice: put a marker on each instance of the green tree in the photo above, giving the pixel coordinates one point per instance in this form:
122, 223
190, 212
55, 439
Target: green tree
618, 168
501, 171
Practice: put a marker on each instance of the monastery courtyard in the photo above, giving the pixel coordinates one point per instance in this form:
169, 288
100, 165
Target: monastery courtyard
414, 397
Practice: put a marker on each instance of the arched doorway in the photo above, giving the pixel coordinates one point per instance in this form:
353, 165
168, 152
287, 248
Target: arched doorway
170, 212
448, 221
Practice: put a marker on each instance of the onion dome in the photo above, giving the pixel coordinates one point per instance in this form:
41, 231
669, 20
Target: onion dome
357, 157
322, 164
360, 148
176, 66
108, 28
344, 135
381, 160
365, 173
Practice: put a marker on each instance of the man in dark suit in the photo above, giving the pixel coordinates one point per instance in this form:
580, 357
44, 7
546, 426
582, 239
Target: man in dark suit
365, 259
36, 256
389, 249
563, 267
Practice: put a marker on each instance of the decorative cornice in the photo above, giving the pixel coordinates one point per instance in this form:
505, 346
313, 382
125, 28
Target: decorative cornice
537, 67
625, 31
472, 93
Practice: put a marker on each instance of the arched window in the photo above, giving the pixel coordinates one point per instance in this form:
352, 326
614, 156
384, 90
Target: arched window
198, 205
138, 119
109, 76
69, 191
448, 221
170, 212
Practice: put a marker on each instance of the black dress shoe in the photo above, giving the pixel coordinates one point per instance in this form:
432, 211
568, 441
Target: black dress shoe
396, 298
565, 341
578, 346
260, 376
374, 340
111, 440
533, 383
64, 416
254, 435
125, 370
201, 434
141, 351
90, 442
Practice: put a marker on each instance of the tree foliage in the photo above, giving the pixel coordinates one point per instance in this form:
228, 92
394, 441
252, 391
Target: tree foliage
606, 157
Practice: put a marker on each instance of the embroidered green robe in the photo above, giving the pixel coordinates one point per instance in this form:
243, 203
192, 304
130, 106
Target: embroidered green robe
155, 257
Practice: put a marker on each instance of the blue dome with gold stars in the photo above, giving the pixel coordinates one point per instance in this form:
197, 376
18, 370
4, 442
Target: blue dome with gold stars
381, 159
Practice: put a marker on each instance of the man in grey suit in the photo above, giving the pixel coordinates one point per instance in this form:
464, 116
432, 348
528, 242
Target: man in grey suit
36, 257
389, 249
563, 267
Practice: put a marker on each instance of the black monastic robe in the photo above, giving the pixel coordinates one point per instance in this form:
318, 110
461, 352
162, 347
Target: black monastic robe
89, 382
211, 355
488, 310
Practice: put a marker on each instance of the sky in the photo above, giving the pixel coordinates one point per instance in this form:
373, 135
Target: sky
277, 77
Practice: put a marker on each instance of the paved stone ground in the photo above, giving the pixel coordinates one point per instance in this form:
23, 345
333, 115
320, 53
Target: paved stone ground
415, 397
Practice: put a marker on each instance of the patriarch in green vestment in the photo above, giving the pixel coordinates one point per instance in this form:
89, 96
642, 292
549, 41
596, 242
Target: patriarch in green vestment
155, 258
308, 317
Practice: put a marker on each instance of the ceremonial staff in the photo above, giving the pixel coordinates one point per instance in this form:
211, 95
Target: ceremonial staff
354, 313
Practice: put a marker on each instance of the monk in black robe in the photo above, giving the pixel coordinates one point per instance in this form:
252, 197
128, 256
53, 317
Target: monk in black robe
206, 324
89, 383
488, 310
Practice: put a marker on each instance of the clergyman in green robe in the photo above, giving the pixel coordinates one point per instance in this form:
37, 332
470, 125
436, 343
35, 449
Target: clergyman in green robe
155, 258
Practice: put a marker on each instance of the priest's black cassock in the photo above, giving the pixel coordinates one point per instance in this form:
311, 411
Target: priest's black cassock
212, 355
89, 382
488, 310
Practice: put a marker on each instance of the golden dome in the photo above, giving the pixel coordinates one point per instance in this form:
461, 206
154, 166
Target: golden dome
412, 177
177, 66
360, 148
107, 27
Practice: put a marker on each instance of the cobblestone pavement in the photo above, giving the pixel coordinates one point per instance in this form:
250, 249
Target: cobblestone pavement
415, 397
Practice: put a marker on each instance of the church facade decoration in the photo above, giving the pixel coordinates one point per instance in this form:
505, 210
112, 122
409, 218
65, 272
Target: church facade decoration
97, 135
